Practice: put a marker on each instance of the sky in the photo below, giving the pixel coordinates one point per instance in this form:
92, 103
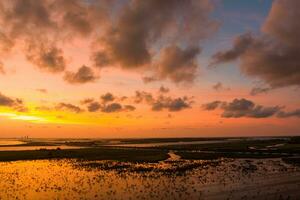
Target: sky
133, 68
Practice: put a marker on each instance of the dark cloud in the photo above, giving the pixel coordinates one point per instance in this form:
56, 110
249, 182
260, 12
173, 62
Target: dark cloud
172, 105
113, 107
101, 59
107, 104
163, 89
26, 17
162, 102
68, 107
126, 34
87, 101
107, 97
129, 108
240, 46
83, 75
142, 96
14, 103
242, 108
46, 56
177, 64
75, 16
6, 101
294, 113
93, 106
259, 90
219, 87
275, 55
128, 43
245, 108
212, 105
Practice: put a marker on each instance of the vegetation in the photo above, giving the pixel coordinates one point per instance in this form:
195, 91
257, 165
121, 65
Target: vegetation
129, 155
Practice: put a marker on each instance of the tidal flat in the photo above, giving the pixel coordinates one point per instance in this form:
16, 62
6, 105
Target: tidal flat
223, 168
217, 179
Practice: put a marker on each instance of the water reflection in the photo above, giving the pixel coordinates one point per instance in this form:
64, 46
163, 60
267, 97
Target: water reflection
7, 142
221, 179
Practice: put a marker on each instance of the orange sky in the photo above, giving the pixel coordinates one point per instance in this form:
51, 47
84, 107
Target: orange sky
52, 60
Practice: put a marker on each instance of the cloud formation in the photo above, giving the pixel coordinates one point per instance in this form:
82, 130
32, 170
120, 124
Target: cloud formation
294, 113
46, 57
107, 97
163, 89
162, 102
258, 90
130, 37
178, 64
83, 75
68, 107
107, 104
273, 56
172, 105
129, 42
14, 103
220, 87
242, 108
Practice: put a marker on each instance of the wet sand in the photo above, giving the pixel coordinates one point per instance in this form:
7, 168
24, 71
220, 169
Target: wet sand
220, 179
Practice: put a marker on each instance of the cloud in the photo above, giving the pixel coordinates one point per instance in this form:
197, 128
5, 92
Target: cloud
6, 101
162, 102
93, 106
259, 90
129, 107
107, 97
87, 101
41, 90
240, 45
172, 105
6, 43
212, 105
83, 75
68, 107
46, 56
294, 113
107, 104
273, 56
163, 89
242, 108
113, 107
130, 41
16, 104
177, 64
142, 96
130, 37
220, 87
26, 17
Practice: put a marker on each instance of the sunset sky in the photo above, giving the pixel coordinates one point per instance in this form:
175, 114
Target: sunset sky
149, 68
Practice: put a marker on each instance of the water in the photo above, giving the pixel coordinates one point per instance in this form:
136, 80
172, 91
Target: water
6, 142
16, 145
157, 144
69, 179
27, 148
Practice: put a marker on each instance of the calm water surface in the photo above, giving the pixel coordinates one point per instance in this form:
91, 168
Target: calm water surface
68, 179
